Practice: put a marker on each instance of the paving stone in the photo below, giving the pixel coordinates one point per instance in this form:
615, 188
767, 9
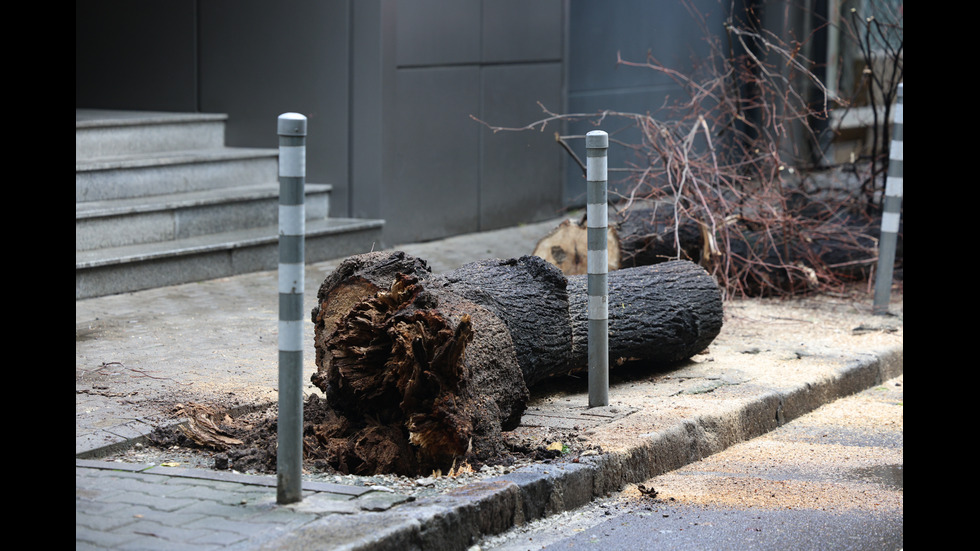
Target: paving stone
135, 507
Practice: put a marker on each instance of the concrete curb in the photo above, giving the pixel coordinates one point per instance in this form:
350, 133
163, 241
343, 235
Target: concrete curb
773, 364
458, 519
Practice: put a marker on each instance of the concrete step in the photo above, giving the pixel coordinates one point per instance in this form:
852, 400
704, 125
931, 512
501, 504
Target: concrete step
160, 200
153, 174
102, 133
132, 268
122, 222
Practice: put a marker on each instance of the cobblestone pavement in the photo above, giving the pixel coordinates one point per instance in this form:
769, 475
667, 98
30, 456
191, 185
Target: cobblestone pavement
128, 506
138, 353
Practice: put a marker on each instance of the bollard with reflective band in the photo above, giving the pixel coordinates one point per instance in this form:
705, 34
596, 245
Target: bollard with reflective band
292, 230
596, 149
891, 212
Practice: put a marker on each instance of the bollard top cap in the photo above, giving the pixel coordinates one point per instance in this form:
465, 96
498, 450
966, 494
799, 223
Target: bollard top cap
596, 139
292, 124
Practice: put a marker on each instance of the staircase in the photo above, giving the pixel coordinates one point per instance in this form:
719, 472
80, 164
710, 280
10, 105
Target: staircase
160, 200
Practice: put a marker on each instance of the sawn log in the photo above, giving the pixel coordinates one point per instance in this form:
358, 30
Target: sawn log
422, 371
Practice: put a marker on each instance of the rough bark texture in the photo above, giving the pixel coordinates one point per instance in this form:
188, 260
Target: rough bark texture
357, 278
652, 234
529, 296
420, 379
662, 313
422, 372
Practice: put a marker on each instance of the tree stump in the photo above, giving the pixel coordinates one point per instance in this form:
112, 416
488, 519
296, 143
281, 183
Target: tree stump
429, 371
424, 376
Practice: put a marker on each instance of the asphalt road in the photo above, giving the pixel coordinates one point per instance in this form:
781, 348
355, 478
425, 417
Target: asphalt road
832, 479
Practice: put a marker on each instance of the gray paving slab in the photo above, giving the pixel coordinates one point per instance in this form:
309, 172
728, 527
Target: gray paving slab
137, 352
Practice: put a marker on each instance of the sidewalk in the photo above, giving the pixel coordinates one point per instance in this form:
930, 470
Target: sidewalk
217, 341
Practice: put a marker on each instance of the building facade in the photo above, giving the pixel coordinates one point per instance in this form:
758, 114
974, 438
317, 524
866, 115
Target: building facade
398, 93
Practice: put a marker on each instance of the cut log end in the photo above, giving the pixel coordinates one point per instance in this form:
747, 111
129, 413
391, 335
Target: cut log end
567, 248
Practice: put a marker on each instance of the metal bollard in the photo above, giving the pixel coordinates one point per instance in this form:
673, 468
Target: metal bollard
891, 214
292, 230
597, 148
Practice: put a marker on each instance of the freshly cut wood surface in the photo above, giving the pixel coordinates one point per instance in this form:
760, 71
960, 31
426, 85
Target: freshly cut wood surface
636, 237
567, 247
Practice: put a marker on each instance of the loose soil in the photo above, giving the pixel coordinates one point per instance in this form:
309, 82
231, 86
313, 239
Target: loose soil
169, 446
256, 436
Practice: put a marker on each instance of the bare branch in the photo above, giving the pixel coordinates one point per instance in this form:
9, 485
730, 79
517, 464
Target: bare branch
726, 156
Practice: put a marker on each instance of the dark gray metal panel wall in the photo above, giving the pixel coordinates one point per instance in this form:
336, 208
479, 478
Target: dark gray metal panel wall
521, 172
598, 31
135, 55
442, 172
518, 30
435, 32
372, 63
433, 184
390, 88
260, 59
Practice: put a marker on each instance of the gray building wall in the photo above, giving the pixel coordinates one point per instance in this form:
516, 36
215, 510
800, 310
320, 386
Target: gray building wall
391, 89
669, 30
420, 159
250, 59
136, 55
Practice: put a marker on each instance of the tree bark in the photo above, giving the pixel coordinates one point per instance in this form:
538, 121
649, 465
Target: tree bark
429, 371
432, 376
530, 297
661, 313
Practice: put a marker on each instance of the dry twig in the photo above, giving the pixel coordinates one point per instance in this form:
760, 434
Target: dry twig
736, 164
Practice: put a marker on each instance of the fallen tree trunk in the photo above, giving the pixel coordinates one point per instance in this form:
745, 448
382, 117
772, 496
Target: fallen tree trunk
661, 313
429, 371
357, 278
530, 297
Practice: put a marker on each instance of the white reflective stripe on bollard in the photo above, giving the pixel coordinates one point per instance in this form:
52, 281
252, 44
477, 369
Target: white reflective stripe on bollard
596, 147
292, 230
891, 209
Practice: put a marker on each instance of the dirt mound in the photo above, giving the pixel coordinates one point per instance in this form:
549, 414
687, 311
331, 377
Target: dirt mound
247, 443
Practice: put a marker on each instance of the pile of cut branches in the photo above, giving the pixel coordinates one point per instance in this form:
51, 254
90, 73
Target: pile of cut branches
737, 172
